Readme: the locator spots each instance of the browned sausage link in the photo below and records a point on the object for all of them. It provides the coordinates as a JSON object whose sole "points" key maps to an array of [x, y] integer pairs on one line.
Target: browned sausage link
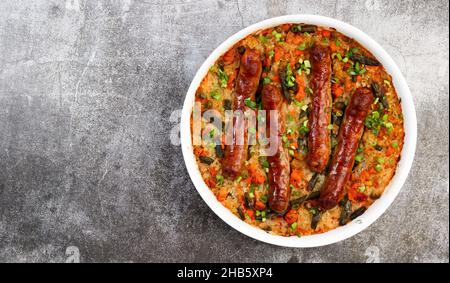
{"points": [[279, 168], [319, 142], [344, 155], [246, 86]]}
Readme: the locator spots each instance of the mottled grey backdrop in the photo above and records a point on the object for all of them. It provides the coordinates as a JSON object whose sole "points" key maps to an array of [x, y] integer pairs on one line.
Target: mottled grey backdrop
{"points": [[86, 164]]}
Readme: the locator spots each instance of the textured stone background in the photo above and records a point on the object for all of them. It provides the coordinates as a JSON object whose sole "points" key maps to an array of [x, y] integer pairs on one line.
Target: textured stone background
{"points": [[86, 91]]}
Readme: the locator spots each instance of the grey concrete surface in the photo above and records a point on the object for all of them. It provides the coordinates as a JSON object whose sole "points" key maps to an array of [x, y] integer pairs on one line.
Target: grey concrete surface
{"points": [[87, 169]]}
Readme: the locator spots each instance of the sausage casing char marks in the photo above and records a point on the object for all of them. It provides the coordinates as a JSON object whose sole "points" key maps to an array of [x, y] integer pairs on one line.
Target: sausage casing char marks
{"points": [[319, 141], [350, 134], [246, 86], [279, 167]]}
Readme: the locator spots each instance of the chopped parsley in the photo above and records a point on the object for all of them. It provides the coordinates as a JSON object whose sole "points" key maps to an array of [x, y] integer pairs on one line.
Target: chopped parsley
{"points": [[223, 78], [305, 66], [250, 103]]}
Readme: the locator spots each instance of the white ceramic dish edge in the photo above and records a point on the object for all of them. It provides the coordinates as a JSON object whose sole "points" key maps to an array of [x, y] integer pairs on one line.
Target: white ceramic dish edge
{"points": [[377, 208]]}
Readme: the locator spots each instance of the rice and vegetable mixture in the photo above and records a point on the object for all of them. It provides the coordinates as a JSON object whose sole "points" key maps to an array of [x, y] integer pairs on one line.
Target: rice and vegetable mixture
{"points": [[286, 52]]}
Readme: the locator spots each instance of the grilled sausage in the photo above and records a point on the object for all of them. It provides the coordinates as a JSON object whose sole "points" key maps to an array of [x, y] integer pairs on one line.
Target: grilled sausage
{"points": [[319, 142], [246, 86], [279, 168], [344, 155]]}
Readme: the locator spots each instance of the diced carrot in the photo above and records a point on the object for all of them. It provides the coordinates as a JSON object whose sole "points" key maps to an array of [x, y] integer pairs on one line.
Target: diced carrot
{"points": [[301, 90], [299, 53], [291, 216], [296, 177], [247, 180], [358, 78], [199, 151], [293, 38], [229, 57], [337, 90], [259, 205], [364, 176], [267, 31], [267, 62], [354, 195], [294, 145], [326, 33], [222, 195], [278, 54], [251, 213], [333, 46], [285, 27], [302, 231], [213, 171], [276, 78], [348, 84], [389, 151], [258, 178], [211, 182]]}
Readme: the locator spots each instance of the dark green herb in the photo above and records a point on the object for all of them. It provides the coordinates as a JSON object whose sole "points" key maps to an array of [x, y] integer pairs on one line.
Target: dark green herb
{"points": [[346, 205], [312, 182], [250, 103], [303, 28], [227, 105], [379, 93], [315, 218], [241, 213], [364, 60], [358, 212], [223, 78], [219, 151], [206, 160]]}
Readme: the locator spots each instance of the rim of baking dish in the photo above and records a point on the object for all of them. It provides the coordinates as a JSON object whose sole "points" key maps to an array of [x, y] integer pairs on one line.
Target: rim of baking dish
{"points": [[377, 208]]}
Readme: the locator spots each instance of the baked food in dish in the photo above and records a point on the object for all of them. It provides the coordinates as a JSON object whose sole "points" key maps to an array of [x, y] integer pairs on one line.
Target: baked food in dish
{"points": [[338, 138]]}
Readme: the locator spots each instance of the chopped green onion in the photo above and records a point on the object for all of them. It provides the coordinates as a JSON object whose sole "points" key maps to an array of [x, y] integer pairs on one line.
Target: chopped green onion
{"points": [[267, 80], [219, 180], [291, 152], [239, 179], [215, 95], [277, 35], [330, 127], [358, 158], [302, 46], [294, 225], [361, 189], [223, 78], [309, 90], [395, 144], [298, 103], [379, 168], [337, 42], [250, 103], [263, 39]]}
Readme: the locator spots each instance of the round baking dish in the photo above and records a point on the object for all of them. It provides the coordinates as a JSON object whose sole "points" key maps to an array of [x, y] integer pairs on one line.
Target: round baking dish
{"points": [[377, 208]]}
